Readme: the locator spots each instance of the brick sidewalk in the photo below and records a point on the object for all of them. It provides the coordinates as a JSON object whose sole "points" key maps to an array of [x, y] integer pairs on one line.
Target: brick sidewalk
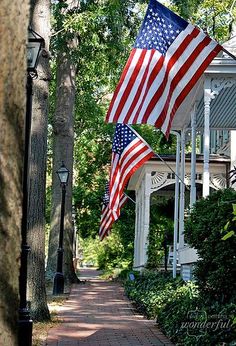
{"points": [[98, 314]]}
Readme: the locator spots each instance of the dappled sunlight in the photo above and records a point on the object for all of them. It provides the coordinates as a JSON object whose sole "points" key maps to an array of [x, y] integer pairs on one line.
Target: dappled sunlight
{"points": [[98, 313]]}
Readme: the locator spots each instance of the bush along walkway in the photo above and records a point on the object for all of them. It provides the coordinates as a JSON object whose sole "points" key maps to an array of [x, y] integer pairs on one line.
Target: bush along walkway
{"points": [[98, 314]]}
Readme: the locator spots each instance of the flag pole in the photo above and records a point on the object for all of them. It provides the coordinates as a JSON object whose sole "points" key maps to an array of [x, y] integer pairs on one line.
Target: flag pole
{"points": [[129, 198], [157, 155], [230, 54]]}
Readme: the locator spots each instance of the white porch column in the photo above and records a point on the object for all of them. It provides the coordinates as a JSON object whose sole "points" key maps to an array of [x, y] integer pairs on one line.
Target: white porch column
{"points": [[139, 228], [176, 210], [182, 192], [233, 149], [146, 220], [193, 158], [135, 262], [141, 222], [206, 173]]}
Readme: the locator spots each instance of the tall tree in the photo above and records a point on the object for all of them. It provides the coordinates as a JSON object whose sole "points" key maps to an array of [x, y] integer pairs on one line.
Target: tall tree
{"points": [[13, 38], [40, 21], [63, 143]]}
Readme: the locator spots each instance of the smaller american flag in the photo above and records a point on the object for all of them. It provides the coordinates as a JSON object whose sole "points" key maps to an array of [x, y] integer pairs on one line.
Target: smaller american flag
{"points": [[108, 216], [129, 152]]}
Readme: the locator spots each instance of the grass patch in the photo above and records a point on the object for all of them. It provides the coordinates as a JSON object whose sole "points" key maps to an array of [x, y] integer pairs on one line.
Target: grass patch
{"points": [[40, 329]]}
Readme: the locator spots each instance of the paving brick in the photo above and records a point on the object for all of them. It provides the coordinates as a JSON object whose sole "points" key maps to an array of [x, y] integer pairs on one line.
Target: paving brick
{"points": [[97, 313]]}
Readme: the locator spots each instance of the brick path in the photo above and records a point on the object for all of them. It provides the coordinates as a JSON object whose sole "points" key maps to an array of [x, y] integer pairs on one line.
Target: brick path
{"points": [[98, 314]]}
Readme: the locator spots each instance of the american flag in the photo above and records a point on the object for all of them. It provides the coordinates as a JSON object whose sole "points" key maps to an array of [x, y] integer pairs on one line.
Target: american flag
{"points": [[108, 216], [168, 58], [129, 152]]}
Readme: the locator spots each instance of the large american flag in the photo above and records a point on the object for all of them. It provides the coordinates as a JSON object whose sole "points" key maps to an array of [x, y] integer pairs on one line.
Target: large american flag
{"points": [[168, 58], [129, 152], [108, 216]]}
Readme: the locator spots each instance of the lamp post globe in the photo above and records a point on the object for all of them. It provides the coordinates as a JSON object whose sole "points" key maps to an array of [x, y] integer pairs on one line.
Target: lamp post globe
{"points": [[58, 283], [34, 46], [63, 174]]}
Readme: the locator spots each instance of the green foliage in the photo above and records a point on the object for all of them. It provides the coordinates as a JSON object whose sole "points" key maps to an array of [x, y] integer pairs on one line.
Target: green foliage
{"points": [[187, 7], [215, 271], [117, 250], [230, 226], [173, 302], [184, 298], [161, 232], [150, 292], [106, 255], [90, 248], [213, 16], [111, 253], [103, 33]]}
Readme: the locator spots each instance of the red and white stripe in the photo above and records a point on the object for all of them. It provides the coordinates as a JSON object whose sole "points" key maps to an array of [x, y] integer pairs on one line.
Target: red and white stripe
{"points": [[153, 86], [108, 218], [123, 166]]}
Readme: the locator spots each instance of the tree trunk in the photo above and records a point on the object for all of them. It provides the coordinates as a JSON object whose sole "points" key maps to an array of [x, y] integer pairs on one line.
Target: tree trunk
{"points": [[63, 144], [13, 38], [40, 21]]}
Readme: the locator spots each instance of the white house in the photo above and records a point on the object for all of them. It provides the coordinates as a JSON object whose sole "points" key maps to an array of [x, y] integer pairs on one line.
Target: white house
{"points": [[209, 115]]}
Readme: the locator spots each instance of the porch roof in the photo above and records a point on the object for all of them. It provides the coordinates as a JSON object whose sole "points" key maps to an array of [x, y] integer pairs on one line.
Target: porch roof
{"points": [[219, 164]]}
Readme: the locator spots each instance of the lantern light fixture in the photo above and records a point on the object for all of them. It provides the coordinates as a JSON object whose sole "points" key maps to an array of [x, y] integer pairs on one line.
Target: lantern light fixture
{"points": [[34, 46], [63, 174]]}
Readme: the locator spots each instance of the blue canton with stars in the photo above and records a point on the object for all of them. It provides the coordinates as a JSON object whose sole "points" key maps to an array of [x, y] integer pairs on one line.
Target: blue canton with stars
{"points": [[123, 136], [160, 28]]}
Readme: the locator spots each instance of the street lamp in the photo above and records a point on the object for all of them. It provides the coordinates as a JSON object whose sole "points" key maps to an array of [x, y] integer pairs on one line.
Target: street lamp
{"points": [[35, 43], [58, 283]]}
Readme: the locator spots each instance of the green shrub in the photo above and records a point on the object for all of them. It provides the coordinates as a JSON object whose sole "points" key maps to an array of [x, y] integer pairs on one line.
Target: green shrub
{"points": [[215, 272], [184, 298], [174, 303], [150, 291], [160, 233], [111, 253]]}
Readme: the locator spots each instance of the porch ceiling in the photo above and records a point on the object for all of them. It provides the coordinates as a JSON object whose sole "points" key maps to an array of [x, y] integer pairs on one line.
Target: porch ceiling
{"points": [[223, 110], [223, 106]]}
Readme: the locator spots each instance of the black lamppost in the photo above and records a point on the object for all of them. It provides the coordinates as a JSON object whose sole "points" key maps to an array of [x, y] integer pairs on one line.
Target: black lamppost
{"points": [[35, 43], [58, 284]]}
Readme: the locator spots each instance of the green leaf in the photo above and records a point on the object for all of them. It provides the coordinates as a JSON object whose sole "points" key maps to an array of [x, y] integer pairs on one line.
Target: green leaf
{"points": [[228, 235], [234, 209], [226, 225]]}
